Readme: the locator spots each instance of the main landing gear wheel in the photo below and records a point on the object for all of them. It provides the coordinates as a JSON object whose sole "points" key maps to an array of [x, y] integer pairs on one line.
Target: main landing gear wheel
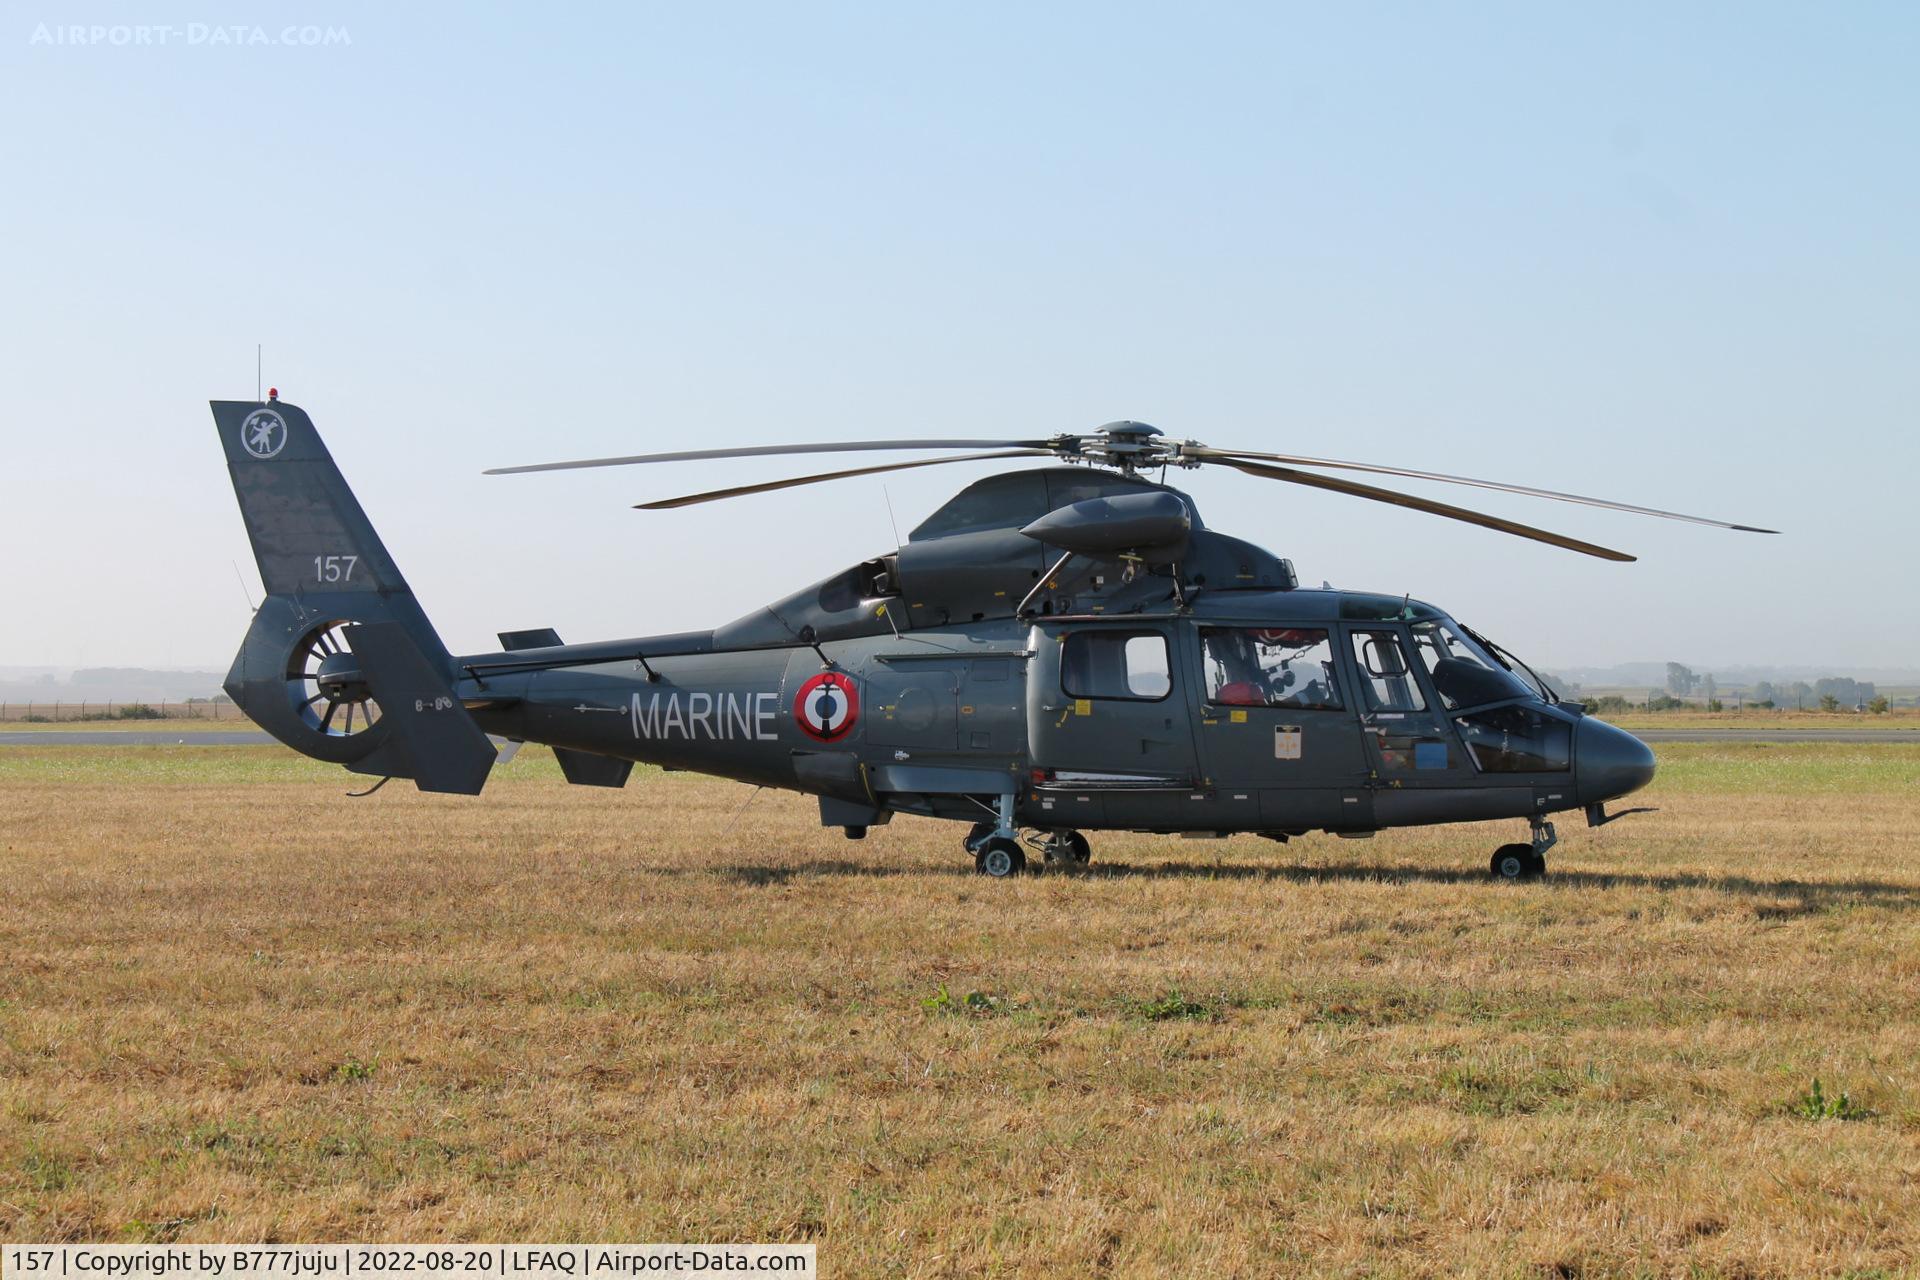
{"points": [[1517, 862], [1000, 857], [1068, 849]]}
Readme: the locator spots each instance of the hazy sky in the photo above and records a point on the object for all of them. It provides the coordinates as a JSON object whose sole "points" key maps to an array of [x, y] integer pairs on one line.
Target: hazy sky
{"points": [[1665, 254]]}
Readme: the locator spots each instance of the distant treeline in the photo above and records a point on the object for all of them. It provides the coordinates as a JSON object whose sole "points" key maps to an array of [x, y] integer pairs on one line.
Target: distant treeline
{"points": [[118, 684], [1826, 691], [1685, 687]]}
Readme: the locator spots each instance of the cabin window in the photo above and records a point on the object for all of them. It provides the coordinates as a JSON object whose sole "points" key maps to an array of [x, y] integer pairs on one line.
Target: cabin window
{"points": [[1462, 673], [1517, 740], [1115, 664], [1270, 667], [1386, 681]]}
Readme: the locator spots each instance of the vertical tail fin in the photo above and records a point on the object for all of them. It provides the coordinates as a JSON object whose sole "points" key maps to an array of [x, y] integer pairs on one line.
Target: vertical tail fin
{"points": [[340, 663], [309, 534]]}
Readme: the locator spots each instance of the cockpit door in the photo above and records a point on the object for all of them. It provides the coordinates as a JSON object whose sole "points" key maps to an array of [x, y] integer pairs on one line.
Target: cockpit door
{"points": [[1408, 741]]}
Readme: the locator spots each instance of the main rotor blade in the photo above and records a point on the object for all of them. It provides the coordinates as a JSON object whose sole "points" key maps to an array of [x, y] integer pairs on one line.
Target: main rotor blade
{"points": [[1556, 495], [1358, 490], [769, 450], [740, 491]]}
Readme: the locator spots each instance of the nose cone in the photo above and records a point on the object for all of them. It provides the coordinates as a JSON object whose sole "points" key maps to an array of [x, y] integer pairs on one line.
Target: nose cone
{"points": [[1608, 762]]}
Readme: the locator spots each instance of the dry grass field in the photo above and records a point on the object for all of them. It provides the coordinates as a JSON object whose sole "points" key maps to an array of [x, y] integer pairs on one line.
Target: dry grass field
{"points": [[237, 1005], [1897, 719], [185, 724]]}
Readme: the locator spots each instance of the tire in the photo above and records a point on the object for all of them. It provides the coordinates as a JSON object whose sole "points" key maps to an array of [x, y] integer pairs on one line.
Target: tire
{"points": [[1077, 846], [978, 832], [1067, 850], [1000, 858], [1516, 862]]}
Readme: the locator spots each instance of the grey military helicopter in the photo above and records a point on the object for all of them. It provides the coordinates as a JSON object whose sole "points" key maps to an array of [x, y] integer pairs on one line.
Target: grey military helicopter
{"points": [[1056, 650]]}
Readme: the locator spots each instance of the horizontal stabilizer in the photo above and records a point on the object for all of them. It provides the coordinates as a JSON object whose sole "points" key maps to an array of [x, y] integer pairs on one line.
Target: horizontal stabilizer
{"points": [[585, 769], [437, 743]]}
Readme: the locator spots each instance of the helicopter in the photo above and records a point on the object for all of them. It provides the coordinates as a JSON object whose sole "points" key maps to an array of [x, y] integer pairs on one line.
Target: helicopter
{"points": [[1056, 650]]}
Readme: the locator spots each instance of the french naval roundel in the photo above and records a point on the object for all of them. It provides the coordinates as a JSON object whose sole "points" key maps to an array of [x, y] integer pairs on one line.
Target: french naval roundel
{"points": [[827, 706]]}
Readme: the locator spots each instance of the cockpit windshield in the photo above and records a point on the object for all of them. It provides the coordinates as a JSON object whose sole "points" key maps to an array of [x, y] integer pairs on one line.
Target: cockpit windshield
{"points": [[1464, 672], [1521, 671]]}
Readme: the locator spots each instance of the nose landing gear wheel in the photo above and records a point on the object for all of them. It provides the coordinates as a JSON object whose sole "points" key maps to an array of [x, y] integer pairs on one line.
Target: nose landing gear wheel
{"points": [[1000, 858], [1517, 862]]}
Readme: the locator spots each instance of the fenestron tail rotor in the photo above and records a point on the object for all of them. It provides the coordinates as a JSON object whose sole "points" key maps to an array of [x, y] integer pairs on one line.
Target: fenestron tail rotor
{"points": [[1133, 447], [326, 686]]}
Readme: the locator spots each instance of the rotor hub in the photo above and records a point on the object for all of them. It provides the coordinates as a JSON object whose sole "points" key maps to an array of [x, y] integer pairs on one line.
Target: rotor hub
{"points": [[1127, 445], [326, 685], [339, 678]]}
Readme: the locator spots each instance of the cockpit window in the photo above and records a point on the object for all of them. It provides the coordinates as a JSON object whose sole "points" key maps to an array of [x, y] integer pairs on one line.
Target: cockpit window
{"points": [[1386, 682], [1270, 667], [1515, 667], [1357, 606], [1517, 739], [1464, 674]]}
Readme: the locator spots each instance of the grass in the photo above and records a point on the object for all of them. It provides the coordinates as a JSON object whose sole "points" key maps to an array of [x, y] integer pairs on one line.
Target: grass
{"points": [[238, 1005], [1173, 1007], [977, 1003], [1817, 1104]]}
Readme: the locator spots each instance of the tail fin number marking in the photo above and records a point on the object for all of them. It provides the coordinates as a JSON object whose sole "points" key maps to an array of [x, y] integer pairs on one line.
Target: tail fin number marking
{"points": [[334, 568]]}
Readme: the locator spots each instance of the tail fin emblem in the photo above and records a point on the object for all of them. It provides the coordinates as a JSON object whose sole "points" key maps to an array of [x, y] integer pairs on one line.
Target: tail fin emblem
{"points": [[264, 433]]}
